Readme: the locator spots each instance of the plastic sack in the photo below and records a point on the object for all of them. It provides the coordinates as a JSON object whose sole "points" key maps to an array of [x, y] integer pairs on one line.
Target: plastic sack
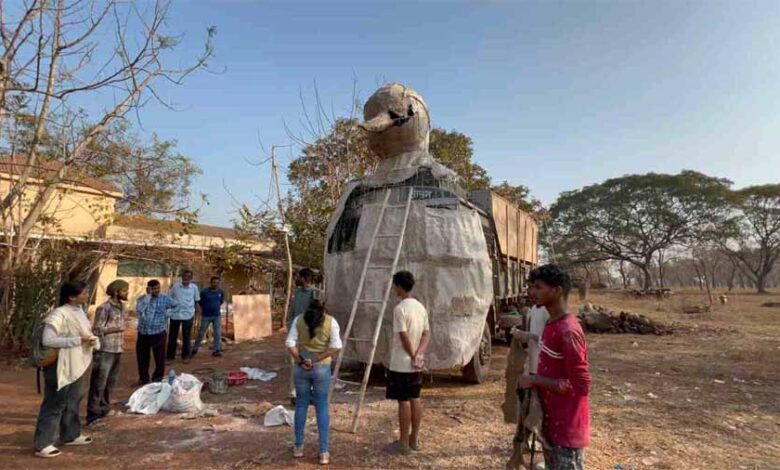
{"points": [[148, 399], [278, 416], [185, 395], [258, 374]]}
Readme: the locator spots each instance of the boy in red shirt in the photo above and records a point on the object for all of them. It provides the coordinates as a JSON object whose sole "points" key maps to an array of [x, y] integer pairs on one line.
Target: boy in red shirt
{"points": [[562, 378]]}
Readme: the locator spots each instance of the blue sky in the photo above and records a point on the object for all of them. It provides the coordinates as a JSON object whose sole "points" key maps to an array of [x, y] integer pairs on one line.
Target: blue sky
{"points": [[554, 96]]}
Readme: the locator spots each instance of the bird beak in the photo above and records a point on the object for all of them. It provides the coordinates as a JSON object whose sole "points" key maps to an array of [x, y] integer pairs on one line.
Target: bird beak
{"points": [[380, 123]]}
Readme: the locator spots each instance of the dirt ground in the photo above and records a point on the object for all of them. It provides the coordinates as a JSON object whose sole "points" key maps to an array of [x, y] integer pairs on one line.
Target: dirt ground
{"points": [[707, 397]]}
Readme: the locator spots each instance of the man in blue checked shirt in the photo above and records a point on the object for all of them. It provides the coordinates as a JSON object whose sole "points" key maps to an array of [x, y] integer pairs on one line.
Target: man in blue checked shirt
{"points": [[153, 311]]}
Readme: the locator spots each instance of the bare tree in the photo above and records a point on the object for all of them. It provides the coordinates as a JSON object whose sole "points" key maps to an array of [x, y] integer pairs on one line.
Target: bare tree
{"points": [[57, 56]]}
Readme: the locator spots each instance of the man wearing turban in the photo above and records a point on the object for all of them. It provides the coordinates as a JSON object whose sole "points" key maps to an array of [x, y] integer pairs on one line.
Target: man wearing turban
{"points": [[109, 326]]}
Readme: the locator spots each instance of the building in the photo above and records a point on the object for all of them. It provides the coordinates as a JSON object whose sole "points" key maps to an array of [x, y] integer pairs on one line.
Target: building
{"points": [[136, 248]]}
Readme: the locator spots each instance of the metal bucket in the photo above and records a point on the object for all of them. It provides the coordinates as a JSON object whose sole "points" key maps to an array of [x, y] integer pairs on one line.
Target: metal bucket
{"points": [[218, 384]]}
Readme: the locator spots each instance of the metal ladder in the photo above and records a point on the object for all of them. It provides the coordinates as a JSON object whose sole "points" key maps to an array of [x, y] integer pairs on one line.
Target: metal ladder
{"points": [[358, 300]]}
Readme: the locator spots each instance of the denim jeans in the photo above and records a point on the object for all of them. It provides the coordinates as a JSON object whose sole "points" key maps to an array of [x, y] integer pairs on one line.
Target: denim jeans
{"points": [[204, 326], [105, 371], [312, 385], [59, 410]]}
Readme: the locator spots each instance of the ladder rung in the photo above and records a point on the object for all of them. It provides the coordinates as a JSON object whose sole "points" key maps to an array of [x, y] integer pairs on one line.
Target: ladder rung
{"points": [[361, 340], [395, 206], [389, 235], [381, 266], [371, 301]]}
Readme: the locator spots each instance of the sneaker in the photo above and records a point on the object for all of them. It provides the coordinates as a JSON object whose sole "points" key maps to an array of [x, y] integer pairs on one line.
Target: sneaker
{"points": [[325, 458], [298, 452], [216, 354]]}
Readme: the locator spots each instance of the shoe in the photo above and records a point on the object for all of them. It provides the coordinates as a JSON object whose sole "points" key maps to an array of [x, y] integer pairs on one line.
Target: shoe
{"points": [[398, 448], [80, 441], [48, 452], [325, 458], [216, 354], [298, 452]]}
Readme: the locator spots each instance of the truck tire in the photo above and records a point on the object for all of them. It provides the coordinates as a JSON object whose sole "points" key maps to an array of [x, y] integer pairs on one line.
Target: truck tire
{"points": [[476, 371]]}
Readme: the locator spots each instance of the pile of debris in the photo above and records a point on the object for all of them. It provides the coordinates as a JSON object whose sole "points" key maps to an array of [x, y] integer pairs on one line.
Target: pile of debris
{"points": [[657, 293], [599, 319]]}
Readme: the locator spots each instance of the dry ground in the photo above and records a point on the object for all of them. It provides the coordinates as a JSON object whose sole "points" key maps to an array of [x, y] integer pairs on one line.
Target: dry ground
{"points": [[707, 397]]}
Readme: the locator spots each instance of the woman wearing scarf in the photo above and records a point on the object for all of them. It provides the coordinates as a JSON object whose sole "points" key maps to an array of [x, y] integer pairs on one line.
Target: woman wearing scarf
{"points": [[67, 329]]}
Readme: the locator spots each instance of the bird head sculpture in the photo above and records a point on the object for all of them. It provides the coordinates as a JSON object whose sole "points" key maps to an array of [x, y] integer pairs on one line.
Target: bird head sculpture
{"points": [[397, 121]]}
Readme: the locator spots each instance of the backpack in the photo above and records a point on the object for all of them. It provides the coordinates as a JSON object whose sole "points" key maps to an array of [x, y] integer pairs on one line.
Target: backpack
{"points": [[40, 355]]}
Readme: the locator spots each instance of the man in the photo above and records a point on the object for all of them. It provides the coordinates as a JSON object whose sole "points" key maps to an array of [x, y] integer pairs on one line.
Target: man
{"points": [[404, 373], [186, 295], [211, 300], [563, 379], [302, 297], [153, 312], [109, 326]]}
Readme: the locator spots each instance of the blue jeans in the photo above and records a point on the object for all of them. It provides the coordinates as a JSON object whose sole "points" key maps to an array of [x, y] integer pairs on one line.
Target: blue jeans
{"points": [[204, 326], [312, 385]]}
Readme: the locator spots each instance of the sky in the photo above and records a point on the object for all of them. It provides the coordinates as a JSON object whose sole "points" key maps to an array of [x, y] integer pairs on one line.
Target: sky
{"points": [[554, 96]]}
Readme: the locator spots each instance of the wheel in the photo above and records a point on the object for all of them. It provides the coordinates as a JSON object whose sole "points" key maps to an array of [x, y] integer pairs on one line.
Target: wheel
{"points": [[476, 371]]}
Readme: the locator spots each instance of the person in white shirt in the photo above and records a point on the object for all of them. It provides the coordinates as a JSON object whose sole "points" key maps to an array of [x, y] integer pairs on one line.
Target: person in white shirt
{"points": [[411, 335], [312, 340], [186, 295]]}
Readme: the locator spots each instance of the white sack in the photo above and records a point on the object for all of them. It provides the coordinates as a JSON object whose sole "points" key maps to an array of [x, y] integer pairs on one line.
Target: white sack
{"points": [[258, 374], [278, 416], [148, 399], [185, 395]]}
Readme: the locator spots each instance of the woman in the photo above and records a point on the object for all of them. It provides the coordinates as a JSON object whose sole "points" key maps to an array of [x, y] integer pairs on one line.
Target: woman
{"points": [[312, 341], [67, 329]]}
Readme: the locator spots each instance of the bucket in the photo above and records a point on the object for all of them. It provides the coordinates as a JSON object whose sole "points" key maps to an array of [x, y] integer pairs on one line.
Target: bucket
{"points": [[218, 383]]}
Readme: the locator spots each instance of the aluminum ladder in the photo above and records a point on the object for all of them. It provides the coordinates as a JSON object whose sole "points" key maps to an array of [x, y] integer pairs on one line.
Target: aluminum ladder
{"points": [[358, 300]]}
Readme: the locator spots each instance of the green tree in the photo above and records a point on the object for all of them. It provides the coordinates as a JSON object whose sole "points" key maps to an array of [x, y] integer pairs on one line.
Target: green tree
{"points": [[519, 195], [154, 177], [455, 151], [633, 217], [753, 243]]}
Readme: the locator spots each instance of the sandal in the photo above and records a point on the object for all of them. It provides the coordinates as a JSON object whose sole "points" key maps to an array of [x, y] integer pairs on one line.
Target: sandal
{"points": [[48, 452], [80, 441]]}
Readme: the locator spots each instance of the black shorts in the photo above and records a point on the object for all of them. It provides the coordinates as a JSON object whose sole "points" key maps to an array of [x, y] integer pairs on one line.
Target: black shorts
{"points": [[403, 386]]}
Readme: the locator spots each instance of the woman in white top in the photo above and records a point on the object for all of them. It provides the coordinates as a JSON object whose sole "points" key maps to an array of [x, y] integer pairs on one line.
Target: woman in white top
{"points": [[67, 329]]}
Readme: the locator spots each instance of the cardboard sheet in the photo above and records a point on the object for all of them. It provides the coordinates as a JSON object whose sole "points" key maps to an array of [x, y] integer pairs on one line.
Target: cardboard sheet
{"points": [[251, 316]]}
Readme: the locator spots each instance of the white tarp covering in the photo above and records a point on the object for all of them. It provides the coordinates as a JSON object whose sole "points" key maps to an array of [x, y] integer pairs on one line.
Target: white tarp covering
{"points": [[446, 251]]}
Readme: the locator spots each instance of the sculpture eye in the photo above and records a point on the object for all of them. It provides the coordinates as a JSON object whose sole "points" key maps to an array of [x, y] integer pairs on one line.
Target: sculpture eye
{"points": [[399, 120]]}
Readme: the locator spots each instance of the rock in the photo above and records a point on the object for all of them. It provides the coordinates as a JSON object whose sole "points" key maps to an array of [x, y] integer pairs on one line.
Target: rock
{"points": [[652, 395], [650, 461]]}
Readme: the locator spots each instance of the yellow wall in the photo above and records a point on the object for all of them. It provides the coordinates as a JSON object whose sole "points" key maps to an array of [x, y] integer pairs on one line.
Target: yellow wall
{"points": [[137, 235], [71, 211]]}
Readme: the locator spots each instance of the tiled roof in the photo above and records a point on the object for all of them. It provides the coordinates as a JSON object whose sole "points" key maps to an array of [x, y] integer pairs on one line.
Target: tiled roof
{"points": [[46, 170], [148, 223]]}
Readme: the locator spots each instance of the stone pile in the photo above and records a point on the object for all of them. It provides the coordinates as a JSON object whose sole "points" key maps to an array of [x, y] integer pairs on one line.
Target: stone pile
{"points": [[599, 319]]}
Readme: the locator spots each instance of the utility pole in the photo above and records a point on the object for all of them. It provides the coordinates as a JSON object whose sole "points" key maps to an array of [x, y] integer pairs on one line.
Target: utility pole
{"points": [[275, 177]]}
